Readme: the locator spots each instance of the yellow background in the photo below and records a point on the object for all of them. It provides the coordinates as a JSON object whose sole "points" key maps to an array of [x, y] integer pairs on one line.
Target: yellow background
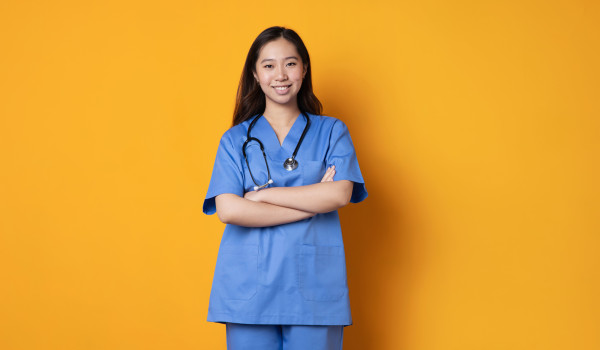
{"points": [[476, 125]]}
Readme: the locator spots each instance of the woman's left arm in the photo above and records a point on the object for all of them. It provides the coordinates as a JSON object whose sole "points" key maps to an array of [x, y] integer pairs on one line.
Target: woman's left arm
{"points": [[322, 197]]}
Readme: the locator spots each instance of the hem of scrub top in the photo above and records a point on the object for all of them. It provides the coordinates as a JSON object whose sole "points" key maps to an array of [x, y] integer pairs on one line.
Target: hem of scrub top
{"points": [[276, 319], [284, 324]]}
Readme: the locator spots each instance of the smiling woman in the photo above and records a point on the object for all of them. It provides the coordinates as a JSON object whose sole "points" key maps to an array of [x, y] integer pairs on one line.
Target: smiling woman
{"points": [[281, 172]]}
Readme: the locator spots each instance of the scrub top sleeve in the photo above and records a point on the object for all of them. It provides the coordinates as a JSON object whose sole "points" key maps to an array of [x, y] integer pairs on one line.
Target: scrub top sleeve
{"points": [[226, 175], [341, 153]]}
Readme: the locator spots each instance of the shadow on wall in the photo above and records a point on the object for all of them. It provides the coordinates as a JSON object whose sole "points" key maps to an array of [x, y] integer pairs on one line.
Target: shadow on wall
{"points": [[379, 233]]}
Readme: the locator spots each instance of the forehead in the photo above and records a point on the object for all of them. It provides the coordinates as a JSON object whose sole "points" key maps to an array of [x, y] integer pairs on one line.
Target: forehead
{"points": [[278, 49]]}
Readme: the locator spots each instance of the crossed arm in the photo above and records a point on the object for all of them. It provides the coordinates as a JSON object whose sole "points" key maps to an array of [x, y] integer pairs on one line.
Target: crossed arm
{"points": [[282, 205]]}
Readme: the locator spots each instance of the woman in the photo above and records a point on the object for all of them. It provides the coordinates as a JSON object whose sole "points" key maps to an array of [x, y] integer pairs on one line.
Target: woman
{"points": [[280, 278]]}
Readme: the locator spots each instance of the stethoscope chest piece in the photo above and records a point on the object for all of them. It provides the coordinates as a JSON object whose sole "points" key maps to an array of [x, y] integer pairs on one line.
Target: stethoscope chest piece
{"points": [[290, 164]]}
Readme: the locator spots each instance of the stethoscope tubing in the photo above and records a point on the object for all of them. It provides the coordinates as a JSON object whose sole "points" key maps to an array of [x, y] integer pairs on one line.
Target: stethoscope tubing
{"points": [[290, 163]]}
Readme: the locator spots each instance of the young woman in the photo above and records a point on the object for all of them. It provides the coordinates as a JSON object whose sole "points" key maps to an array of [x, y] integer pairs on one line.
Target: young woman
{"points": [[280, 174]]}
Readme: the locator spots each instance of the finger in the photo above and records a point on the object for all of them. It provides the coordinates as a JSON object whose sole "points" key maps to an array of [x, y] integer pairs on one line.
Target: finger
{"points": [[326, 176], [329, 175], [332, 175]]}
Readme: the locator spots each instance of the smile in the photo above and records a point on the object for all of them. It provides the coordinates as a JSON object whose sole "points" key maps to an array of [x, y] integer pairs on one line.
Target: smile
{"points": [[282, 90]]}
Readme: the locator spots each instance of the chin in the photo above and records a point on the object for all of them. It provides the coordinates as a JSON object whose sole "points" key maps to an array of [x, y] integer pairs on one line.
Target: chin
{"points": [[283, 101]]}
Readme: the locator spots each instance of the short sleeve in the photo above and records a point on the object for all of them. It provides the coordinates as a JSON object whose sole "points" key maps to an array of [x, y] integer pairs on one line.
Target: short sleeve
{"points": [[341, 153], [226, 175]]}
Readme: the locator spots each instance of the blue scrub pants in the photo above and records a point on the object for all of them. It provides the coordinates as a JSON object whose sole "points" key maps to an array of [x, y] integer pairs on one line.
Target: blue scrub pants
{"points": [[283, 337]]}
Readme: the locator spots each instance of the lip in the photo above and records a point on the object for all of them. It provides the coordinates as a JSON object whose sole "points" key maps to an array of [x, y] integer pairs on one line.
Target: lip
{"points": [[283, 91]]}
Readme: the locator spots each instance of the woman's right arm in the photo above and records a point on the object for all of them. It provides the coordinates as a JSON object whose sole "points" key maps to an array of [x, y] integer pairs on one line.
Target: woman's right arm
{"points": [[233, 209]]}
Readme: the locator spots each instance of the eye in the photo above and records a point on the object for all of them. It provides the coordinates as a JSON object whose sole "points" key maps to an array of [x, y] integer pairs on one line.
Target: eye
{"points": [[292, 63], [268, 66]]}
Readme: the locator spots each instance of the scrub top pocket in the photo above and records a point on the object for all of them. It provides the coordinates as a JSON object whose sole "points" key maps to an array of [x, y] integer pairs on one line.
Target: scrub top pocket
{"points": [[322, 272], [312, 171], [236, 273]]}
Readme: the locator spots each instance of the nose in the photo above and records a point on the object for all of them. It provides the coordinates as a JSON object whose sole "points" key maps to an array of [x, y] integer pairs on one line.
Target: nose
{"points": [[281, 74]]}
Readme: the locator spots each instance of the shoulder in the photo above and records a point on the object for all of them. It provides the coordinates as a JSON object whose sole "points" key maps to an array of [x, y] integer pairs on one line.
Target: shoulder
{"points": [[322, 119], [328, 124], [235, 135]]}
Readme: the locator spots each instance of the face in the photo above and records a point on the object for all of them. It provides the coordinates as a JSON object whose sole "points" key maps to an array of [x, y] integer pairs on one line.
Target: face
{"points": [[279, 71]]}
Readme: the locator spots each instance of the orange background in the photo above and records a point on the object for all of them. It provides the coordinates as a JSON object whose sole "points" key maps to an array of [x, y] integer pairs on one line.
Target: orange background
{"points": [[476, 126]]}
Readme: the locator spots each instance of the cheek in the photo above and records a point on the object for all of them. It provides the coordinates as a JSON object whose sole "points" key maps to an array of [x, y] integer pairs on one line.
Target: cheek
{"points": [[261, 81], [263, 77], [297, 72], [264, 81]]}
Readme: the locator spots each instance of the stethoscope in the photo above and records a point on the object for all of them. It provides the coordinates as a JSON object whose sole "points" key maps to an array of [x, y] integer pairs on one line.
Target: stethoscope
{"points": [[289, 164]]}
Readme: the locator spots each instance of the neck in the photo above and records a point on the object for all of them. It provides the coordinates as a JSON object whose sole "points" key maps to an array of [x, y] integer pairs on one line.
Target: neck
{"points": [[281, 115]]}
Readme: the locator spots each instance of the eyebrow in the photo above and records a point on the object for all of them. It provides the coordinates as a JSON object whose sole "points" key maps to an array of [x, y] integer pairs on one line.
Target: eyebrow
{"points": [[272, 59]]}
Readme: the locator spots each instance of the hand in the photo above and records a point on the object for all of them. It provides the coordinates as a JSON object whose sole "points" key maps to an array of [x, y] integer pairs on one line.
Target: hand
{"points": [[253, 196], [329, 174]]}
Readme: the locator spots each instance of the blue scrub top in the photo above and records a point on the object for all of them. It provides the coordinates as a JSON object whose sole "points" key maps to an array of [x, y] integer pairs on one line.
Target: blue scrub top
{"points": [[293, 273]]}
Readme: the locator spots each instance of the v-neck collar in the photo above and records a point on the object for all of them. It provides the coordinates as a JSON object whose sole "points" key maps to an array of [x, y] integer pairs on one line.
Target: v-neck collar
{"points": [[265, 132]]}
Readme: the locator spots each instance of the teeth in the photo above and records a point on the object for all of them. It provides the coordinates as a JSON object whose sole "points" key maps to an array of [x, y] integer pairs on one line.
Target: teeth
{"points": [[281, 87]]}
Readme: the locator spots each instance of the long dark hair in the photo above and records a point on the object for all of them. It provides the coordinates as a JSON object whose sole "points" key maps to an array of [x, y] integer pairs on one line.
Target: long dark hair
{"points": [[250, 99]]}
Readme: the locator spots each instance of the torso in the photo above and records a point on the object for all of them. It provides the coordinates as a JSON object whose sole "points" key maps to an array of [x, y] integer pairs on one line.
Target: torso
{"points": [[286, 274]]}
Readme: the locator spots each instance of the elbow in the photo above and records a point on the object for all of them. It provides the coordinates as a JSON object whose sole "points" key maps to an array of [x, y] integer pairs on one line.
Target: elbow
{"points": [[225, 205], [227, 215], [345, 194], [344, 200], [335, 204], [223, 216]]}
